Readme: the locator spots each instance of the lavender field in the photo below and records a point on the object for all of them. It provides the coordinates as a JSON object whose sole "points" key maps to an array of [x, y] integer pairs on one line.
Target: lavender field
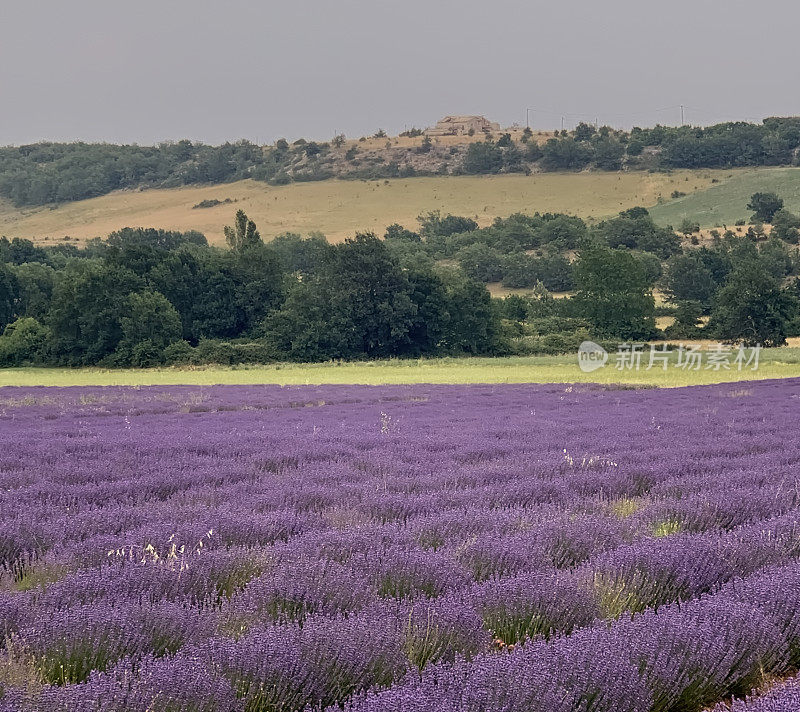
{"points": [[400, 549]]}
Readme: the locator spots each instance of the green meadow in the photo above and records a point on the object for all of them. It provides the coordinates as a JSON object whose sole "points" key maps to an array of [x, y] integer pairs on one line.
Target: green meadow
{"points": [[773, 363], [725, 202]]}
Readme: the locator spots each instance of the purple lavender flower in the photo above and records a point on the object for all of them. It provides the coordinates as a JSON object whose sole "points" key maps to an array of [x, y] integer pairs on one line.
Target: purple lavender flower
{"points": [[785, 697], [466, 549]]}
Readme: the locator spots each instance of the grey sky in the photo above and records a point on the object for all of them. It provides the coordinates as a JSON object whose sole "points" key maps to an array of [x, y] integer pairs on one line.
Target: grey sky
{"points": [[167, 69]]}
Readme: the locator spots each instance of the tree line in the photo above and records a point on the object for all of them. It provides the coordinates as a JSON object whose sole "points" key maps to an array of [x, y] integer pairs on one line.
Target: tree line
{"points": [[774, 142], [739, 286], [145, 297], [42, 173]]}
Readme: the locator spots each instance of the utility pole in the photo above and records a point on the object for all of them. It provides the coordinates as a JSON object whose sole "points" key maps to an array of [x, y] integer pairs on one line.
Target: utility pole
{"points": [[528, 117], [682, 123], [562, 123]]}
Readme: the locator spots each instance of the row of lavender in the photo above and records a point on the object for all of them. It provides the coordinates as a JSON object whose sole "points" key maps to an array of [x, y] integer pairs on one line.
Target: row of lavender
{"points": [[784, 698], [681, 657], [273, 549]]}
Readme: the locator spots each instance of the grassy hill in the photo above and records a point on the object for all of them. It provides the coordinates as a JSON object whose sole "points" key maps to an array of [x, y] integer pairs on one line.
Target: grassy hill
{"points": [[725, 203], [339, 208]]}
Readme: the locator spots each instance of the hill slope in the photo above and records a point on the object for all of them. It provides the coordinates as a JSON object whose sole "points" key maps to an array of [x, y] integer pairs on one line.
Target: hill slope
{"points": [[339, 208], [726, 202]]}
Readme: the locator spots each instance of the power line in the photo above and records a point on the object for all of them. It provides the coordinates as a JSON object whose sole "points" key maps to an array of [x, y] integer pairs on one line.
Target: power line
{"points": [[573, 114], [681, 110]]}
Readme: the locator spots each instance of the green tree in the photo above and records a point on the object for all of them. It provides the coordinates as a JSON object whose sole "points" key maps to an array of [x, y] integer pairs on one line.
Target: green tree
{"points": [[533, 152], [426, 330], [777, 258], [686, 324], [243, 235], [562, 232], [566, 154], [688, 226], [472, 326], [752, 308], [514, 307], [652, 266], [149, 325], [718, 261], [19, 251], [608, 154], [433, 223], [555, 272], [687, 278], [373, 295], [398, 232], [23, 341], [481, 262], [258, 276], [635, 229], [764, 206], [215, 312], [518, 271], [786, 226], [34, 289], [614, 294], [179, 278], [89, 300], [141, 249], [635, 148], [300, 254], [201, 287], [8, 295], [483, 157], [584, 131], [357, 304]]}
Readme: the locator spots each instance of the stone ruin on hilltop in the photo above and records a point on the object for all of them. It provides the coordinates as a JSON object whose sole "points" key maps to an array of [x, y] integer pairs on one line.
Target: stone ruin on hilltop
{"points": [[462, 125]]}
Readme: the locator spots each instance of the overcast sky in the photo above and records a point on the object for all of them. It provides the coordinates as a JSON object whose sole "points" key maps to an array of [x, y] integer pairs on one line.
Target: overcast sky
{"points": [[144, 71]]}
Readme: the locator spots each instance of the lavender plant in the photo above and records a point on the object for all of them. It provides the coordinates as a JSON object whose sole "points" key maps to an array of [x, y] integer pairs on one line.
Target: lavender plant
{"points": [[447, 548]]}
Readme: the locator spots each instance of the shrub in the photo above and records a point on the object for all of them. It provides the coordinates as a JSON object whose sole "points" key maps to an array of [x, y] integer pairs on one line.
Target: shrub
{"points": [[24, 341], [482, 157], [765, 205], [688, 226], [229, 353]]}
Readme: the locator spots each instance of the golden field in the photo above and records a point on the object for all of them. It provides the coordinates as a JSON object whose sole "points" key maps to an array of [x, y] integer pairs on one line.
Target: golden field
{"points": [[339, 208]]}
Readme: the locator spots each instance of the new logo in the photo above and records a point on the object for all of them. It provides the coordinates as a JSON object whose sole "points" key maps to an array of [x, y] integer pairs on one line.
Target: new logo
{"points": [[591, 356]]}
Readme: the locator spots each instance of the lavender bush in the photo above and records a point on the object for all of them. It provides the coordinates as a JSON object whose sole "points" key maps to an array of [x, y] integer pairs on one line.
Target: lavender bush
{"points": [[446, 548]]}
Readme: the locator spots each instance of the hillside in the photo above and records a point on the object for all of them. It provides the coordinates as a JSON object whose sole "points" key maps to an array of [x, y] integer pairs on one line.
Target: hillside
{"points": [[56, 173], [339, 208], [725, 203]]}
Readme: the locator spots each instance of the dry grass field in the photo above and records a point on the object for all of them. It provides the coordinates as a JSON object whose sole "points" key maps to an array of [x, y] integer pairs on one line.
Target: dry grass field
{"points": [[339, 208]]}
